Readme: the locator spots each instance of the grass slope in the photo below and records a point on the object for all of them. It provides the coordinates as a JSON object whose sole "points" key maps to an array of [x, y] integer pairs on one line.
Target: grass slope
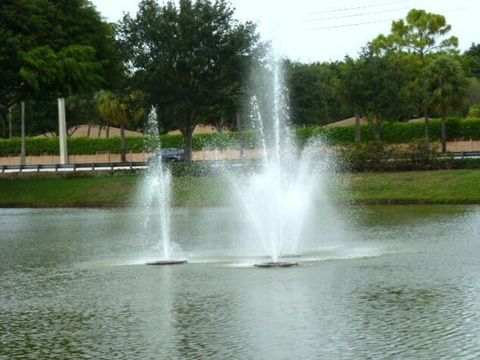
{"points": [[429, 187]]}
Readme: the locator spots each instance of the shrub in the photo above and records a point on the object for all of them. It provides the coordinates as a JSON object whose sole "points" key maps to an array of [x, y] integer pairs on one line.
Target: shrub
{"points": [[421, 155], [393, 133], [474, 111], [366, 157], [377, 156]]}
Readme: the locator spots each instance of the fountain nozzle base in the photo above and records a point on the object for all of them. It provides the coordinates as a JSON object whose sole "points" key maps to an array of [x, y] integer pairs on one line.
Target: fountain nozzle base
{"points": [[276, 264], [167, 262]]}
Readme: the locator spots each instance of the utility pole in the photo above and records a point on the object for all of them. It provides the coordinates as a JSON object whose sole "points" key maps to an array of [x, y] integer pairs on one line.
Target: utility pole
{"points": [[23, 160], [62, 131]]}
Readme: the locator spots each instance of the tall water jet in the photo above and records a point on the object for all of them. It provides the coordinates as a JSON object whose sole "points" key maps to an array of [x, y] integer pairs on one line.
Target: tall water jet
{"points": [[277, 198], [157, 195]]}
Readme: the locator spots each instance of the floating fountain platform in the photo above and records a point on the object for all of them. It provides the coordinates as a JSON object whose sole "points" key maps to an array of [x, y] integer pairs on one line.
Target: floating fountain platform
{"points": [[277, 264], [167, 262]]}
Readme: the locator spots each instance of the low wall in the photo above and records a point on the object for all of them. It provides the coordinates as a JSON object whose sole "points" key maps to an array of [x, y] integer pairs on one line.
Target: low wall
{"points": [[131, 157], [74, 159], [453, 146]]}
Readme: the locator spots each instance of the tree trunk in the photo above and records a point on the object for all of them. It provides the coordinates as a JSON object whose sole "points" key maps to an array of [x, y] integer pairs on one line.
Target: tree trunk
{"points": [[358, 130], [219, 123], [444, 133], [427, 129], [108, 131], [240, 134], [187, 132], [377, 128], [187, 145], [4, 118], [10, 120], [99, 131], [88, 129], [123, 147]]}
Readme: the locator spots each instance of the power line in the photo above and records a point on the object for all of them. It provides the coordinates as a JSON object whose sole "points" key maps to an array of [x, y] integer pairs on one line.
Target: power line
{"points": [[378, 21], [350, 25], [360, 7], [358, 15]]}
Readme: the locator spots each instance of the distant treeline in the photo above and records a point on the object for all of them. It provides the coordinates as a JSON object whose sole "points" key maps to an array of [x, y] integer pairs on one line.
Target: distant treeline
{"points": [[180, 64]]}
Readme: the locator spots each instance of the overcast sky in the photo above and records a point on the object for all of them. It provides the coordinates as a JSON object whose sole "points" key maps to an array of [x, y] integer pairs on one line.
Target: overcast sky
{"points": [[316, 30]]}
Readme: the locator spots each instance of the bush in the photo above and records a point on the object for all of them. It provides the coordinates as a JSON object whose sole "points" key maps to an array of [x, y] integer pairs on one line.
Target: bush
{"points": [[393, 133], [377, 156], [474, 111], [366, 157], [421, 155]]}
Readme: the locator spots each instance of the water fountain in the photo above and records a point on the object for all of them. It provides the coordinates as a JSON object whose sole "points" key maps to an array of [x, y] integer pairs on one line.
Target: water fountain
{"points": [[276, 199], [157, 195]]}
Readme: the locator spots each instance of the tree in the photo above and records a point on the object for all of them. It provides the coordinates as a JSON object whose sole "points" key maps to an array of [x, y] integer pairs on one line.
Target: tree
{"points": [[52, 47], [375, 85], [121, 109], [82, 110], [188, 58], [447, 85], [471, 61], [352, 90], [474, 111], [421, 34], [313, 93], [72, 70]]}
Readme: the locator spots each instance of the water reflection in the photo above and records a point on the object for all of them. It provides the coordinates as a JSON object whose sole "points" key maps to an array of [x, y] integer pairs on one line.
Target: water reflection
{"points": [[415, 323], [64, 296]]}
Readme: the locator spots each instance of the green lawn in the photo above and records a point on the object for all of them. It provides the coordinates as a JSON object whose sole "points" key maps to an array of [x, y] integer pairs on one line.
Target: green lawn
{"points": [[430, 187]]}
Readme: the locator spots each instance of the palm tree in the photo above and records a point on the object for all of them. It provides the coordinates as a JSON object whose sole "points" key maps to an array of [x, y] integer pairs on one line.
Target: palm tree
{"points": [[120, 110], [446, 84]]}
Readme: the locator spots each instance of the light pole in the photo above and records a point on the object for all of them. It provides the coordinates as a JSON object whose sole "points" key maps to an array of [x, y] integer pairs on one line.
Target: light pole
{"points": [[62, 131], [23, 160]]}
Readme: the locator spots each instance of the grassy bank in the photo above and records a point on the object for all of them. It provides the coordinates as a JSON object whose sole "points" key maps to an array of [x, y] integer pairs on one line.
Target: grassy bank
{"points": [[428, 187], [422, 187]]}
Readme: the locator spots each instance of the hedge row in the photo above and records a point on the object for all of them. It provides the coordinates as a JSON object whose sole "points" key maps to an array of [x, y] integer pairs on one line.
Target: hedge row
{"points": [[396, 133], [392, 133], [89, 146]]}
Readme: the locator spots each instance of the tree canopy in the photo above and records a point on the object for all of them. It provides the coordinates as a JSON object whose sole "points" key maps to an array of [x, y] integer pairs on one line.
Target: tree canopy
{"points": [[314, 93], [52, 47], [193, 61], [447, 86], [188, 58], [421, 33], [472, 61]]}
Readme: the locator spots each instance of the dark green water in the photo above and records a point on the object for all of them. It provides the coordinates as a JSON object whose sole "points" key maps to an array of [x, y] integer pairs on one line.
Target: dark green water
{"points": [[397, 282]]}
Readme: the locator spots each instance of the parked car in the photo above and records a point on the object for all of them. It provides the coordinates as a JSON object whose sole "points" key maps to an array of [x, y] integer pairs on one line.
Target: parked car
{"points": [[168, 155]]}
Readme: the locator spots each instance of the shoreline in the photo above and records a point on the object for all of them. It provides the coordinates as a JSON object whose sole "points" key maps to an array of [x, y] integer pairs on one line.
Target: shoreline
{"points": [[106, 205]]}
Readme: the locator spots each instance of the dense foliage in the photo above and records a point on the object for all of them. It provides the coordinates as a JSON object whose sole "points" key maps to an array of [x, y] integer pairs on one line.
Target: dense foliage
{"points": [[393, 133], [194, 62], [189, 58], [52, 49]]}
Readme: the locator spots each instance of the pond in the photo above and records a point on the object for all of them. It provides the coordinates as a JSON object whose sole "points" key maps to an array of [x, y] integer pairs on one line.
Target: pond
{"points": [[386, 282]]}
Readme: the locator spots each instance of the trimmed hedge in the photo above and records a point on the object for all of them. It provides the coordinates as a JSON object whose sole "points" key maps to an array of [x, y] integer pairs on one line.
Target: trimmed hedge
{"points": [[396, 133], [393, 133]]}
